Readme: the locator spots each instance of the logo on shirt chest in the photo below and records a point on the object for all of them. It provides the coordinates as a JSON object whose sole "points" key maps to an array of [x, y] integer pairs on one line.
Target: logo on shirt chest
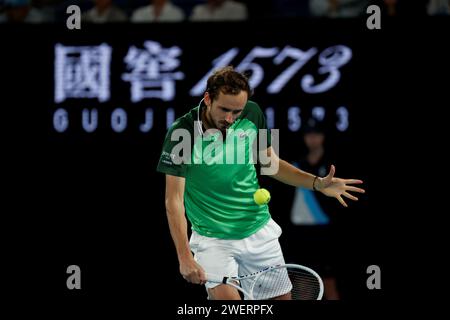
{"points": [[242, 135]]}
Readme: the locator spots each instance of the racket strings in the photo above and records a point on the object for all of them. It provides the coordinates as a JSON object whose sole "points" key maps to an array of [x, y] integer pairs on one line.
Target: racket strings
{"points": [[302, 284], [305, 285]]}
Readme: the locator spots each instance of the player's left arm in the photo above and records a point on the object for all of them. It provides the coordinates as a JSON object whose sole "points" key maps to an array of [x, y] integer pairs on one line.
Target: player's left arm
{"points": [[330, 186], [289, 174]]}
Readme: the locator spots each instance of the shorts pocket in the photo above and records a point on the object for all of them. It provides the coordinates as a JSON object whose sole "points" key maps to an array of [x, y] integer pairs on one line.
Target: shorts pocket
{"points": [[276, 228], [194, 242]]}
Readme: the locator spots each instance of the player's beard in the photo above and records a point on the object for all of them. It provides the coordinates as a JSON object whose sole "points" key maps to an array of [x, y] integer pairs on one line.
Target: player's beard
{"points": [[222, 125]]}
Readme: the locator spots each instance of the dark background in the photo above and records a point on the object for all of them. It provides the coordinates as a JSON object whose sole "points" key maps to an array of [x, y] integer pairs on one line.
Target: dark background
{"points": [[95, 199]]}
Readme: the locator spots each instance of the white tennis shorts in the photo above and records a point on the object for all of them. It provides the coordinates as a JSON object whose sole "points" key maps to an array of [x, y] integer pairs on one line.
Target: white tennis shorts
{"points": [[238, 257]]}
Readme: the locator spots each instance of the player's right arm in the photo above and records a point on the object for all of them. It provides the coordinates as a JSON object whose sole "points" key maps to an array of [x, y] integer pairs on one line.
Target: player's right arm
{"points": [[189, 268]]}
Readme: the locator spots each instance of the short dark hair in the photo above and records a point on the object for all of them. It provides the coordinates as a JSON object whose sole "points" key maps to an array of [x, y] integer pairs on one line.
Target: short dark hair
{"points": [[228, 81]]}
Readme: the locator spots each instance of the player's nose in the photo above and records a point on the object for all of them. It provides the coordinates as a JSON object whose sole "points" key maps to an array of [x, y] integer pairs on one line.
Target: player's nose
{"points": [[229, 118]]}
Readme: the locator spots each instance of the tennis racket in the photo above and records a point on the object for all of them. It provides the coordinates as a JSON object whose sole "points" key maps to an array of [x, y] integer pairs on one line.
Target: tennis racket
{"points": [[302, 282]]}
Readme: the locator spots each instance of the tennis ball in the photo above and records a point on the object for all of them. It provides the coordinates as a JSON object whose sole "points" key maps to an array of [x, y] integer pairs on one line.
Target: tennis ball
{"points": [[261, 196]]}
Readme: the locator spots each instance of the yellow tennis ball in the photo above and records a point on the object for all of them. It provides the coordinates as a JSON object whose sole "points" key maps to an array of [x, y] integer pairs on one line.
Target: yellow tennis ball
{"points": [[261, 196]]}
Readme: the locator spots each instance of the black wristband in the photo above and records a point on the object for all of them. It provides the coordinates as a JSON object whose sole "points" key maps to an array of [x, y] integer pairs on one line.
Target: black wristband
{"points": [[314, 183]]}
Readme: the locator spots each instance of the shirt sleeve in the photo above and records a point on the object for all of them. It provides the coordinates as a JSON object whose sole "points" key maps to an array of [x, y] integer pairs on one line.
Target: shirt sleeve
{"points": [[262, 124], [171, 162]]}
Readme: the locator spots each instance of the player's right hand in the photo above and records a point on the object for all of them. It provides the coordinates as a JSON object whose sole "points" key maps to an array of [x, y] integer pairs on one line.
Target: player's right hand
{"points": [[192, 272]]}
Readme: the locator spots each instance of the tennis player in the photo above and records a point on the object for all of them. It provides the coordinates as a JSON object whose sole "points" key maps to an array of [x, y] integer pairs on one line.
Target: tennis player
{"points": [[207, 182]]}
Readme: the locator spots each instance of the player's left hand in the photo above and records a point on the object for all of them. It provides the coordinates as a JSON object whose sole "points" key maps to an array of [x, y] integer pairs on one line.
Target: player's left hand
{"points": [[337, 187]]}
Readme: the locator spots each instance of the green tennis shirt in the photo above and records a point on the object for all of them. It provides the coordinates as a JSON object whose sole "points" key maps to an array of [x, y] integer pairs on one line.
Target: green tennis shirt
{"points": [[220, 172]]}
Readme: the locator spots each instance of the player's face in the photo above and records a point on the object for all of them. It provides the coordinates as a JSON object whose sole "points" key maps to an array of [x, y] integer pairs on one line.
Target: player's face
{"points": [[225, 109]]}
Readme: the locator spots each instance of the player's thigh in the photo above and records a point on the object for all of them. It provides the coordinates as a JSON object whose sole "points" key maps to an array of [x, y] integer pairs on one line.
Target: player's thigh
{"points": [[262, 250], [223, 292], [214, 257]]}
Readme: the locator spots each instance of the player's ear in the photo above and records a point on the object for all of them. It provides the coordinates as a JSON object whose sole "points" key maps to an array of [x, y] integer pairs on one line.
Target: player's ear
{"points": [[207, 99]]}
